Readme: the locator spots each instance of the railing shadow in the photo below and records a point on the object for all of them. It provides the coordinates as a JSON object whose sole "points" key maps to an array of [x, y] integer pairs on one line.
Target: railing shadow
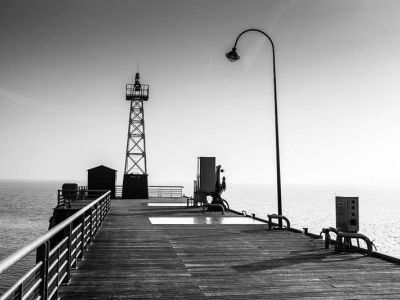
{"points": [[270, 264]]}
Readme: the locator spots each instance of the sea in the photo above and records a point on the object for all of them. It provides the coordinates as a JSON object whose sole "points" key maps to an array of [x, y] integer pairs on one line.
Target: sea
{"points": [[26, 206]]}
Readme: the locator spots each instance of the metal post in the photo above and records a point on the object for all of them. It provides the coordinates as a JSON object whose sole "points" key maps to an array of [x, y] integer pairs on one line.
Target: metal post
{"points": [[96, 223], [75, 258], [42, 255], [58, 271], [82, 236], [68, 232], [20, 291], [278, 163], [101, 211], [278, 167], [327, 239], [91, 225]]}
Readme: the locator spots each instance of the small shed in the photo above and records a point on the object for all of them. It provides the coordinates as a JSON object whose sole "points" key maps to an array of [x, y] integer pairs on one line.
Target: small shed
{"points": [[102, 178]]}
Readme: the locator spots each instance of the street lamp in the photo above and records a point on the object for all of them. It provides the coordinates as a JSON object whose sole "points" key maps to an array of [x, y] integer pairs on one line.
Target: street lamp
{"points": [[233, 56]]}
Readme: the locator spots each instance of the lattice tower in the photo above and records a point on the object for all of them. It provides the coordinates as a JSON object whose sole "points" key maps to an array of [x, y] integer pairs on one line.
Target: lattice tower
{"points": [[135, 162]]}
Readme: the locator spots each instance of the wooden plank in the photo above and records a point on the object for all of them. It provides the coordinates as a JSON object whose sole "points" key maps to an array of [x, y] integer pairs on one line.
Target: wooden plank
{"points": [[132, 258]]}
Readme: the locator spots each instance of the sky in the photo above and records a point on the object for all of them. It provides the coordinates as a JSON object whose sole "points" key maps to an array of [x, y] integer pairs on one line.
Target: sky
{"points": [[64, 66]]}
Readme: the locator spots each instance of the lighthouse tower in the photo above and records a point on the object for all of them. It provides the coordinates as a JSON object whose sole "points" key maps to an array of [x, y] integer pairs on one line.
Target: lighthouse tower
{"points": [[135, 184]]}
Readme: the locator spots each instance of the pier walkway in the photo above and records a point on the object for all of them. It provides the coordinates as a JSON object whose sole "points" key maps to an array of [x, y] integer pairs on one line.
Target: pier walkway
{"points": [[133, 258]]}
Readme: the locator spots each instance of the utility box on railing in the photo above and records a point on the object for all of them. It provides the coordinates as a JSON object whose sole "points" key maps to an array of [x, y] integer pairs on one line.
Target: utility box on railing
{"points": [[347, 219], [206, 176]]}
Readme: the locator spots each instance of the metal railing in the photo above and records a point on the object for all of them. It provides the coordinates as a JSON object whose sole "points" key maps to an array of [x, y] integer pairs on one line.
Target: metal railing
{"points": [[66, 197], [57, 253], [160, 191], [171, 191], [133, 93], [343, 239], [118, 191], [279, 217]]}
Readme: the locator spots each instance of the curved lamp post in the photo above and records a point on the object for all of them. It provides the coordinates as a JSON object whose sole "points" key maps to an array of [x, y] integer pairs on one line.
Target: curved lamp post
{"points": [[233, 56]]}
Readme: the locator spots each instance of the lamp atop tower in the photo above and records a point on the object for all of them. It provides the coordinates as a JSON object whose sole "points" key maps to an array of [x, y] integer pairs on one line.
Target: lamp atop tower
{"points": [[137, 84], [137, 91]]}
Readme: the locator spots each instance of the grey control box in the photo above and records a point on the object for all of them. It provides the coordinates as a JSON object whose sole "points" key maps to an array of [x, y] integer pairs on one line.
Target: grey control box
{"points": [[347, 219], [206, 176]]}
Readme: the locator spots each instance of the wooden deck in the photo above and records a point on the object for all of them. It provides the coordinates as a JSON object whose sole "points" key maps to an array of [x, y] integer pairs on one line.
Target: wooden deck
{"points": [[133, 258]]}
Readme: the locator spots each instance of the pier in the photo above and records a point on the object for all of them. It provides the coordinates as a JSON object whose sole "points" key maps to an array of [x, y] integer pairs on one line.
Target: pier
{"points": [[160, 248], [286, 111]]}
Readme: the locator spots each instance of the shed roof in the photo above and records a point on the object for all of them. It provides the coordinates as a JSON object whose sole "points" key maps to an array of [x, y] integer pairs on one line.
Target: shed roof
{"points": [[102, 167]]}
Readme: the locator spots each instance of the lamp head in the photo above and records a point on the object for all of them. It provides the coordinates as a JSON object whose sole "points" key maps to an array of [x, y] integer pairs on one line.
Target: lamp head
{"points": [[232, 55], [137, 85]]}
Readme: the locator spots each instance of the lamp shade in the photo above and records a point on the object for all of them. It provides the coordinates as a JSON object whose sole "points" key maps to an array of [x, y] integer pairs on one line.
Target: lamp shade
{"points": [[232, 55]]}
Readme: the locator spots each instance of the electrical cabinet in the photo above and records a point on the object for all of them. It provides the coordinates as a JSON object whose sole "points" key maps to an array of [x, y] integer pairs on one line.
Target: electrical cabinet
{"points": [[347, 219], [206, 176]]}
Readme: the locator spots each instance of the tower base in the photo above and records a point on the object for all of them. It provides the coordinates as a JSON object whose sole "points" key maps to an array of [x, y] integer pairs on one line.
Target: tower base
{"points": [[135, 186]]}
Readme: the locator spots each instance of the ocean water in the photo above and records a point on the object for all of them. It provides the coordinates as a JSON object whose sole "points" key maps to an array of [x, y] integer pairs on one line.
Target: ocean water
{"points": [[26, 206], [313, 207], [25, 209]]}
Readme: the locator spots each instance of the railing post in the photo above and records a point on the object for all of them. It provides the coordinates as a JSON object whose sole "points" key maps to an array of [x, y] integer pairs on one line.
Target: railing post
{"points": [[20, 292], [96, 223], [82, 236], [58, 271], [42, 255], [105, 202], [327, 239], [91, 225], [74, 236], [101, 211], [60, 198], [68, 232]]}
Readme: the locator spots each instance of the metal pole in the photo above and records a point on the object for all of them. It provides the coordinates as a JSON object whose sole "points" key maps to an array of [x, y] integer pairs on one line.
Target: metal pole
{"points": [[278, 165]]}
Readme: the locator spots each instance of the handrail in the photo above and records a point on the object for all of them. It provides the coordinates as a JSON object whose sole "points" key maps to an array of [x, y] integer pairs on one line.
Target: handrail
{"points": [[173, 191], [350, 235], [327, 235], [160, 191], [226, 203], [279, 217], [208, 205], [82, 193], [21, 253], [346, 235], [167, 186]]}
